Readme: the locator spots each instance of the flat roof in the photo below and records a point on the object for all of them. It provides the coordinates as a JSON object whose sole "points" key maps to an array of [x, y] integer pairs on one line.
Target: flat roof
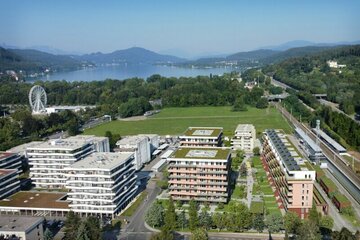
{"points": [[203, 132], [244, 128], [201, 153], [285, 155], [331, 141], [36, 200], [4, 155], [307, 139], [22, 148], [131, 140], [4, 172], [101, 160], [70, 143], [18, 223]]}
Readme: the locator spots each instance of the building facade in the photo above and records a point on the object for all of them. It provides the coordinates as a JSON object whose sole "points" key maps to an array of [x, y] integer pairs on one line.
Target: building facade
{"points": [[201, 174], [202, 137], [101, 183], [10, 160], [244, 139], [139, 145], [9, 182], [48, 159], [293, 181]]}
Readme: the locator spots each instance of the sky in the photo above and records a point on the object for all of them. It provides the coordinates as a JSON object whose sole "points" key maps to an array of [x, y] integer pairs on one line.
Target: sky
{"points": [[185, 27]]}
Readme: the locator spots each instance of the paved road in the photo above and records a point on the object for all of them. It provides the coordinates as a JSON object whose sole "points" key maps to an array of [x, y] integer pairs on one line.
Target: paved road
{"points": [[335, 107]]}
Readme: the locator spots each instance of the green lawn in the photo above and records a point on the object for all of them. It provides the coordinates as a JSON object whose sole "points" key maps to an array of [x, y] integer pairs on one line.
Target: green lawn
{"points": [[131, 210], [177, 120], [239, 192], [257, 207]]}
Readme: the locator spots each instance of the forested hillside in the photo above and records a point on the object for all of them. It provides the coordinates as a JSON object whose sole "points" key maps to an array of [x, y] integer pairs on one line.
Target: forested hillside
{"points": [[313, 75]]}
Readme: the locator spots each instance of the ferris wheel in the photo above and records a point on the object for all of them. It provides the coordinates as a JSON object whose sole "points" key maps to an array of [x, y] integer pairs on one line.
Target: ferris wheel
{"points": [[37, 99]]}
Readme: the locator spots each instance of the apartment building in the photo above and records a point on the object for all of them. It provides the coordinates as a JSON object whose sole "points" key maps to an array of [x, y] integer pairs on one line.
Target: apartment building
{"points": [[244, 139], [202, 137], [139, 145], [201, 174], [48, 159], [10, 160], [293, 181], [101, 183], [9, 182], [22, 228]]}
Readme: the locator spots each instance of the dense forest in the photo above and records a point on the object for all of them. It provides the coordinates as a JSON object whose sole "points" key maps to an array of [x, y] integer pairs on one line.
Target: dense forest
{"points": [[312, 74]]}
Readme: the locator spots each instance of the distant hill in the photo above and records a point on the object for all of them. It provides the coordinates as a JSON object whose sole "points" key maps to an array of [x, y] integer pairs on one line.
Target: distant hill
{"points": [[35, 61], [252, 55], [133, 55]]}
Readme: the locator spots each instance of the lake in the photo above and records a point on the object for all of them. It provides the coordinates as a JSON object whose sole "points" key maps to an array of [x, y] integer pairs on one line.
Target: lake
{"points": [[122, 72]]}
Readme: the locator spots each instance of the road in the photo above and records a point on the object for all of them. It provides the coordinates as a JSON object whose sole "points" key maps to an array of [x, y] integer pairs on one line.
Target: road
{"points": [[335, 107], [280, 84], [332, 156]]}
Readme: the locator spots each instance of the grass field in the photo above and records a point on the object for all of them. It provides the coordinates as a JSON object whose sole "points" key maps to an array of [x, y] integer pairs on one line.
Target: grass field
{"points": [[173, 121]]}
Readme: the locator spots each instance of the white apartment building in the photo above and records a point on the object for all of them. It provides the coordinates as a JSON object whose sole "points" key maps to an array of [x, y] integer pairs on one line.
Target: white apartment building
{"points": [[9, 182], [10, 160], [48, 159], [202, 137], [139, 145], [23, 228], [101, 183], [154, 141], [244, 139]]}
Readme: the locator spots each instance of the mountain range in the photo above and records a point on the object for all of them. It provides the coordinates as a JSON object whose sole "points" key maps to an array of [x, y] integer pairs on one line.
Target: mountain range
{"points": [[34, 60]]}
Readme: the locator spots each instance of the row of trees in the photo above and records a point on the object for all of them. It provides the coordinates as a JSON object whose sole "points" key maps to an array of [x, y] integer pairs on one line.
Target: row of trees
{"points": [[78, 229], [22, 126]]}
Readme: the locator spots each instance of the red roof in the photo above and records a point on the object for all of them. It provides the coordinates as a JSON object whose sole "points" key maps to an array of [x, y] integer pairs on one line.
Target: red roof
{"points": [[6, 154]]}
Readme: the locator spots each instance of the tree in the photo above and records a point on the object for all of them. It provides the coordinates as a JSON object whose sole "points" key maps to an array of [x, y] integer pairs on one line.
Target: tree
{"points": [[256, 151], [239, 105], [262, 103], [274, 222], [199, 234], [243, 170], [72, 127], [93, 226], [327, 222], [292, 222], [205, 220], [314, 216], [155, 215], [165, 234], [344, 234], [193, 215], [82, 232], [181, 220], [258, 222], [309, 231], [71, 225], [48, 234], [219, 220], [170, 216]]}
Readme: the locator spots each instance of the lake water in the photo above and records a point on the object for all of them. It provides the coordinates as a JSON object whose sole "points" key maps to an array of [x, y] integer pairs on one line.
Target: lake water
{"points": [[122, 72]]}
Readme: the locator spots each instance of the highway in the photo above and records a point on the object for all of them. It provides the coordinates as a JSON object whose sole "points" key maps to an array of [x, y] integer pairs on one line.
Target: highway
{"points": [[332, 156]]}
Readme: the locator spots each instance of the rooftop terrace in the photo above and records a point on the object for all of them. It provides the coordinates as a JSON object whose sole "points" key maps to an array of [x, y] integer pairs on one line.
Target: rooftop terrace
{"points": [[4, 155], [36, 200], [101, 160], [201, 153], [203, 132], [4, 172]]}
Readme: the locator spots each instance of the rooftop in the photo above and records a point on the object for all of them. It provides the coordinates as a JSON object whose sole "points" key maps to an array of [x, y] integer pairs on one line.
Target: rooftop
{"points": [[101, 160], [36, 200], [70, 143], [307, 139], [245, 128], [4, 155], [4, 172], [285, 155], [22, 148], [131, 140], [331, 141], [201, 153], [203, 132], [17, 223]]}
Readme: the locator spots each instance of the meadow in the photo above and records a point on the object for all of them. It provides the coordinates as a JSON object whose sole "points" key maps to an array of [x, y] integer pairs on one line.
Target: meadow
{"points": [[174, 121]]}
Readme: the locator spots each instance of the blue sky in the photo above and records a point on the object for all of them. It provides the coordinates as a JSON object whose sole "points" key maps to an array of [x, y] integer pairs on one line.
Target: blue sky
{"points": [[195, 27]]}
